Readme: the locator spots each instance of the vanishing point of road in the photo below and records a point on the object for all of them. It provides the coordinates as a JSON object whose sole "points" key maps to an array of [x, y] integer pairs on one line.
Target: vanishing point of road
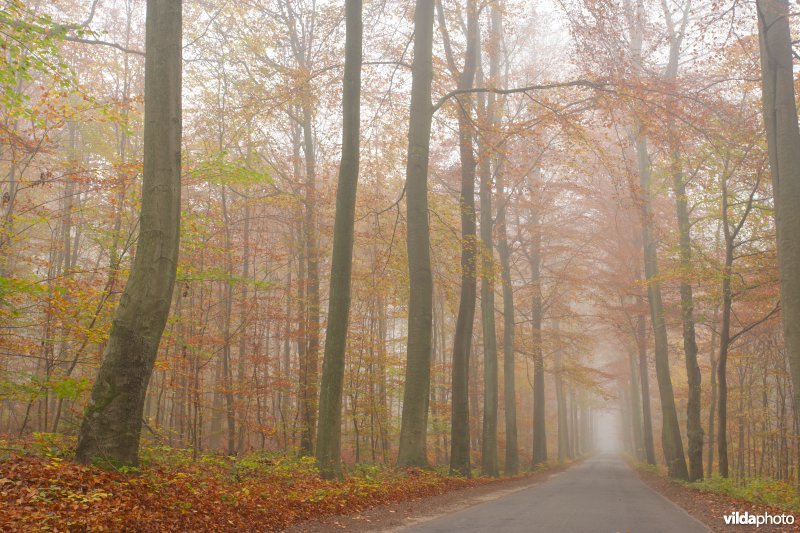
{"points": [[601, 494]]}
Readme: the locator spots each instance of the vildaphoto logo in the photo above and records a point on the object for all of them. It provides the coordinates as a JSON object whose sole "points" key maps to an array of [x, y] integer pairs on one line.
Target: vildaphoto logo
{"points": [[766, 519]]}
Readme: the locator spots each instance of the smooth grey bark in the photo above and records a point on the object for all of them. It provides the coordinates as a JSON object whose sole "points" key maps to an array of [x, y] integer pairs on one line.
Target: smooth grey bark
{"points": [[462, 340], [489, 461], [724, 343], [637, 436], [509, 320], [113, 421], [713, 405], [783, 142], [564, 447], [414, 421], [539, 423], [644, 380], [670, 430], [730, 231], [243, 327], [227, 362], [309, 364], [694, 427], [301, 38], [329, 430]]}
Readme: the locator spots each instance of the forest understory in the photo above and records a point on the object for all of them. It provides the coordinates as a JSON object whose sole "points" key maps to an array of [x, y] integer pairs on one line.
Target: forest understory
{"points": [[43, 489]]}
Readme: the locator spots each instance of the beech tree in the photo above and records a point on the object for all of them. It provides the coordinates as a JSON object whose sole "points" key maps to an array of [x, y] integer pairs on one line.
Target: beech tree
{"points": [[113, 421], [783, 140], [462, 340], [330, 404], [413, 430]]}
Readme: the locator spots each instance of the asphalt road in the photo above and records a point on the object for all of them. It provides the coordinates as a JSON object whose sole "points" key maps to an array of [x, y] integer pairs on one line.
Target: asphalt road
{"points": [[602, 494]]}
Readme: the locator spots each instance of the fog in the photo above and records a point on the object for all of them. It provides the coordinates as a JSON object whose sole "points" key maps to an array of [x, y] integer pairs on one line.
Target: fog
{"points": [[608, 431]]}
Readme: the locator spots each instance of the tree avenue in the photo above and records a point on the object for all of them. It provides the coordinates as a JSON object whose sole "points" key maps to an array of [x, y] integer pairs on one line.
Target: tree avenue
{"points": [[360, 239]]}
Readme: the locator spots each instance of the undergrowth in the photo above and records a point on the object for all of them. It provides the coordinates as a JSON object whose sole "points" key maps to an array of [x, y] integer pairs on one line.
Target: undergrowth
{"points": [[780, 494], [41, 488]]}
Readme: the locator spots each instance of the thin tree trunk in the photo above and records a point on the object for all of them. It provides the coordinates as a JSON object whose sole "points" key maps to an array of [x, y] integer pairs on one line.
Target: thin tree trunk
{"points": [[724, 339], [489, 459], [713, 405], [644, 380], [227, 363], [539, 429], [564, 451]]}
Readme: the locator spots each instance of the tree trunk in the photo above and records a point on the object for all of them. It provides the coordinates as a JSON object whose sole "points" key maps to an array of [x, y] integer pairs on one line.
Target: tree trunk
{"points": [[489, 462], [310, 360], [329, 431], [462, 341], [413, 427], [539, 435], [670, 429], [636, 408], [564, 451], [644, 379], [694, 427], [227, 363], [713, 405], [783, 141], [509, 367], [724, 340], [112, 425]]}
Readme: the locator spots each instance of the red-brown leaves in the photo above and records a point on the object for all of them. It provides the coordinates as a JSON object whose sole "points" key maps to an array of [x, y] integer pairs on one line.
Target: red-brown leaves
{"points": [[50, 492]]}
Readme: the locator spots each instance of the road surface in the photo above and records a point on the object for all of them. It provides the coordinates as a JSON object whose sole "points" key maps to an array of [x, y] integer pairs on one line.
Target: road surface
{"points": [[602, 494]]}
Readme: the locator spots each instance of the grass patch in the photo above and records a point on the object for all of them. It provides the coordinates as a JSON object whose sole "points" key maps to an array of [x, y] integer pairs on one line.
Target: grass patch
{"points": [[757, 490]]}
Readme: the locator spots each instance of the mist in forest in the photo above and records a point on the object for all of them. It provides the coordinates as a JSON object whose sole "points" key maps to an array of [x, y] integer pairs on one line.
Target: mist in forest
{"points": [[483, 237]]}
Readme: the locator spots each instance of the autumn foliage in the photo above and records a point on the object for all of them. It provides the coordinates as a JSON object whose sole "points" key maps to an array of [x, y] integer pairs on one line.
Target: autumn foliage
{"points": [[263, 491]]}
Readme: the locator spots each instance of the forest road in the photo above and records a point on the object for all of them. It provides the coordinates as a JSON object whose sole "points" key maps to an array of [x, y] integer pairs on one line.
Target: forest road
{"points": [[601, 494]]}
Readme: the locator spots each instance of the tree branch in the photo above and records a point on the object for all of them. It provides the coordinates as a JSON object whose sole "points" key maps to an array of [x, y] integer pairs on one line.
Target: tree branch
{"points": [[104, 43], [601, 86]]}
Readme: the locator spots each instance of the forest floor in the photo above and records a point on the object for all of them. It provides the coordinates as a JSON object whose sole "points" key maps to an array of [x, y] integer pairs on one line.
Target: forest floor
{"points": [[42, 489], [705, 501]]}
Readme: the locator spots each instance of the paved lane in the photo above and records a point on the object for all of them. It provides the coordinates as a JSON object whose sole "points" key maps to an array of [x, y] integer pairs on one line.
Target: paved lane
{"points": [[602, 494]]}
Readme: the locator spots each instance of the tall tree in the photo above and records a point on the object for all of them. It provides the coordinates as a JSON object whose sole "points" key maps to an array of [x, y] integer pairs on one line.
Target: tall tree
{"points": [[694, 427], [783, 140], [670, 429], [113, 421], [489, 460], [413, 426], [329, 430], [509, 321], [564, 448], [537, 314], [462, 340]]}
